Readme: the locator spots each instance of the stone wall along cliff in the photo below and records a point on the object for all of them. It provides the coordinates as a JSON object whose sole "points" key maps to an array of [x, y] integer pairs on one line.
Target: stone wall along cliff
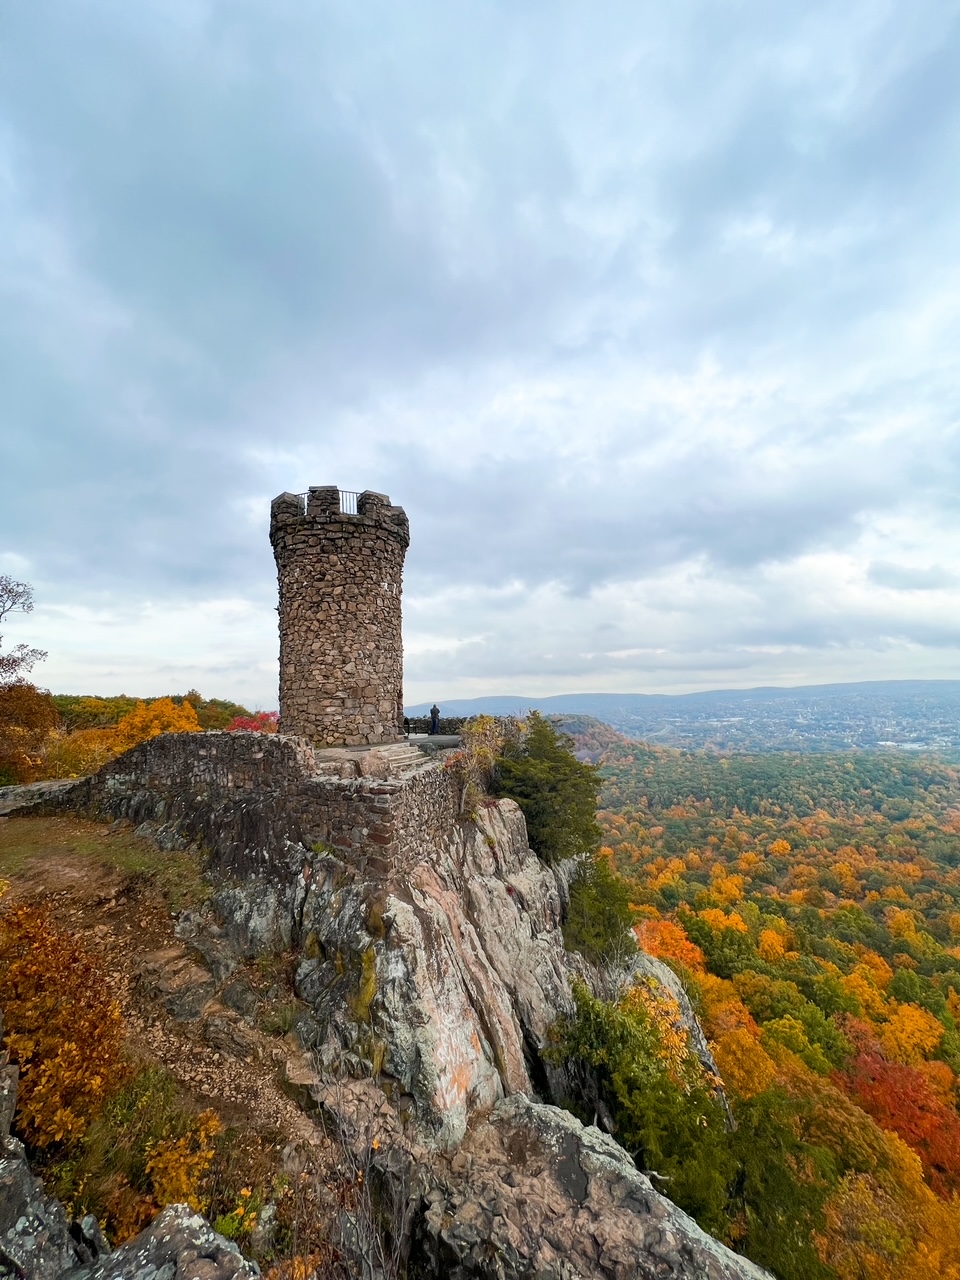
{"points": [[431, 945], [248, 799], [341, 650]]}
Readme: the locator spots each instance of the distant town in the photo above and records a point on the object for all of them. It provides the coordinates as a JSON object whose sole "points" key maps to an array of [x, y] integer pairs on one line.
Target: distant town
{"points": [[891, 715]]}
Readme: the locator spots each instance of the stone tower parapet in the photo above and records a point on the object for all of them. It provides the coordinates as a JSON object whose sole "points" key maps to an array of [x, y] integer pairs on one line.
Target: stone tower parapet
{"points": [[341, 648]]}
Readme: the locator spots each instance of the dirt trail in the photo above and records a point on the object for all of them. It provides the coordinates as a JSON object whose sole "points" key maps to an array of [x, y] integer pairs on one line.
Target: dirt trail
{"points": [[118, 894]]}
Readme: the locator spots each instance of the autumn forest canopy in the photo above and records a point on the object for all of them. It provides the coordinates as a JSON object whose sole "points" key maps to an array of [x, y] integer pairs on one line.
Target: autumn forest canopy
{"points": [[811, 905]]}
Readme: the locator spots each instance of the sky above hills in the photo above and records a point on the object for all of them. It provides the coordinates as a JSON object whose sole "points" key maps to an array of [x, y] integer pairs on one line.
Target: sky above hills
{"points": [[647, 314]]}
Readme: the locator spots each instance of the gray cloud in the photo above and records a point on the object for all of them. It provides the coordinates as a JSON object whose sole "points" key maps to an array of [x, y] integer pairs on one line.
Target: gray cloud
{"points": [[650, 305], [904, 577]]}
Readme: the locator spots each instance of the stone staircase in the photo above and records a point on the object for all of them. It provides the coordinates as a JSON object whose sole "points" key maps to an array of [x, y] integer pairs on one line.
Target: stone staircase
{"points": [[402, 756], [392, 760]]}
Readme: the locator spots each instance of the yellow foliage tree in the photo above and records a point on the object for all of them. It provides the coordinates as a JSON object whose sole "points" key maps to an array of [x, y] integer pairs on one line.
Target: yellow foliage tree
{"points": [[718, 919], [902, 923], [911, 1034], [72, 755], [665, 1013], [881, 971], [745, 1066], [866, 1235], [728, 888], [772, 945], [150, 720], [862, 984]]}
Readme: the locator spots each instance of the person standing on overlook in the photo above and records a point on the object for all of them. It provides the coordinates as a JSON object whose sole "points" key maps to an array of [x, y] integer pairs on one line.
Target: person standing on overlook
{"points": [[434, 719]]}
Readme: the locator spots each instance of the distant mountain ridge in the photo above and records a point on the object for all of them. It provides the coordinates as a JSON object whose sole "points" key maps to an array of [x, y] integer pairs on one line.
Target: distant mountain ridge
{"points": [[872, 714]]}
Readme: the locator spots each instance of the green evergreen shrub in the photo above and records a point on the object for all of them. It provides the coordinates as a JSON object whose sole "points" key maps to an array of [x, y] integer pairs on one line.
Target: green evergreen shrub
{"points": [[557, 793], [665, 1111], [599, 921]]}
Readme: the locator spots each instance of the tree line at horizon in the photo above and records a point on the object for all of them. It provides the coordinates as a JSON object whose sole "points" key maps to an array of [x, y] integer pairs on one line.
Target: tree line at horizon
{"points": [[44, 735]]}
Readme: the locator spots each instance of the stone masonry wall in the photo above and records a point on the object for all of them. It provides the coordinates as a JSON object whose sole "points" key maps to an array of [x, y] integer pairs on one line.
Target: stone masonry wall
{"points": [[254, 801], [341, 650]]}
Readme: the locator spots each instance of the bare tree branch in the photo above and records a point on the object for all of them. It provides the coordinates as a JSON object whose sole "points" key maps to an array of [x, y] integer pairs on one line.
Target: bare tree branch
{"points": [[16, 597]]}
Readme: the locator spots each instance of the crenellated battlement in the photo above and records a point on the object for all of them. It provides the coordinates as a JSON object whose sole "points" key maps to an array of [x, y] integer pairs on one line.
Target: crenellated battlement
{"points": [[324, 503], [340, 569]]}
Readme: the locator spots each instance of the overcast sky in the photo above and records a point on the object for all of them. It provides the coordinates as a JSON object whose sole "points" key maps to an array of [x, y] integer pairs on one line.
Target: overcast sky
{"points": [[647, 313]]}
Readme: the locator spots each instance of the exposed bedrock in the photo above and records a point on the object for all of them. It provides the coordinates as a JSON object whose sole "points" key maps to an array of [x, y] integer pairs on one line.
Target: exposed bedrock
{"points": [[537, 1194], [531, 1194], [450, 975], [430, 945], [430, 954]]}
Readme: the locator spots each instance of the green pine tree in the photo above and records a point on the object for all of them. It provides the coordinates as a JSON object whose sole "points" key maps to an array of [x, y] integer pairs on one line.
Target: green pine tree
{"points": [[557, 793]]}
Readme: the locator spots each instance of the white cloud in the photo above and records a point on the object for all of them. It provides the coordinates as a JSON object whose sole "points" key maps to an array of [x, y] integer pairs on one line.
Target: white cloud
{"points": [[647, 317]]}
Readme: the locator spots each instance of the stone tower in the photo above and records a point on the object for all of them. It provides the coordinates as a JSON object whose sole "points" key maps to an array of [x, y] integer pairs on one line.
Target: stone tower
{"points": [[340, 564]]}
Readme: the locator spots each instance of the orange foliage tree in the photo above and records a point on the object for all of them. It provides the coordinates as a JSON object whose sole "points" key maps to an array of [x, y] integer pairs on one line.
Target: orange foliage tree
{"points": [[63, 1029], [27, 716], [668, 941]]}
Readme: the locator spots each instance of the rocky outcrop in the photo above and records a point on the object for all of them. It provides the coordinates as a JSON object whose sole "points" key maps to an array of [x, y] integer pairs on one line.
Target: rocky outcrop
{"points": [[35, 1239], [178, 1245], [531, 1194], [431, 945], [534, 1193], [447, 978]]}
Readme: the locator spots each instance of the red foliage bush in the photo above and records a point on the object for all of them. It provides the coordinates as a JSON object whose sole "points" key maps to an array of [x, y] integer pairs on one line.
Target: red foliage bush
{"points": [[259, 722], [901, 1098]]}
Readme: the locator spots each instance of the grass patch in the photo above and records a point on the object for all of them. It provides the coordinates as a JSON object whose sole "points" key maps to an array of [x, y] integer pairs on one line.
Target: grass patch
{"points": [[281, 1018], [147, 1109], [28, 844]]}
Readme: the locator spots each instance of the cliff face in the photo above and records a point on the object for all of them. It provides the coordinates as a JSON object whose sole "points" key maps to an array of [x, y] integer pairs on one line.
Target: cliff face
{"points": [[430, 945], [429, 951], [448, 975]]}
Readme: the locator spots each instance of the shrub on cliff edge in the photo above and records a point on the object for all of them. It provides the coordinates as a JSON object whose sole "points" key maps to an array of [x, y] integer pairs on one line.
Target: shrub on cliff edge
{"points": [[557, 793], [600, 919]]}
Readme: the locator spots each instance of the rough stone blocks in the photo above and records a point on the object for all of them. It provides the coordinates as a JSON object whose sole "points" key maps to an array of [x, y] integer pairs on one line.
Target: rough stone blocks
{"points": [[341, 650]]}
